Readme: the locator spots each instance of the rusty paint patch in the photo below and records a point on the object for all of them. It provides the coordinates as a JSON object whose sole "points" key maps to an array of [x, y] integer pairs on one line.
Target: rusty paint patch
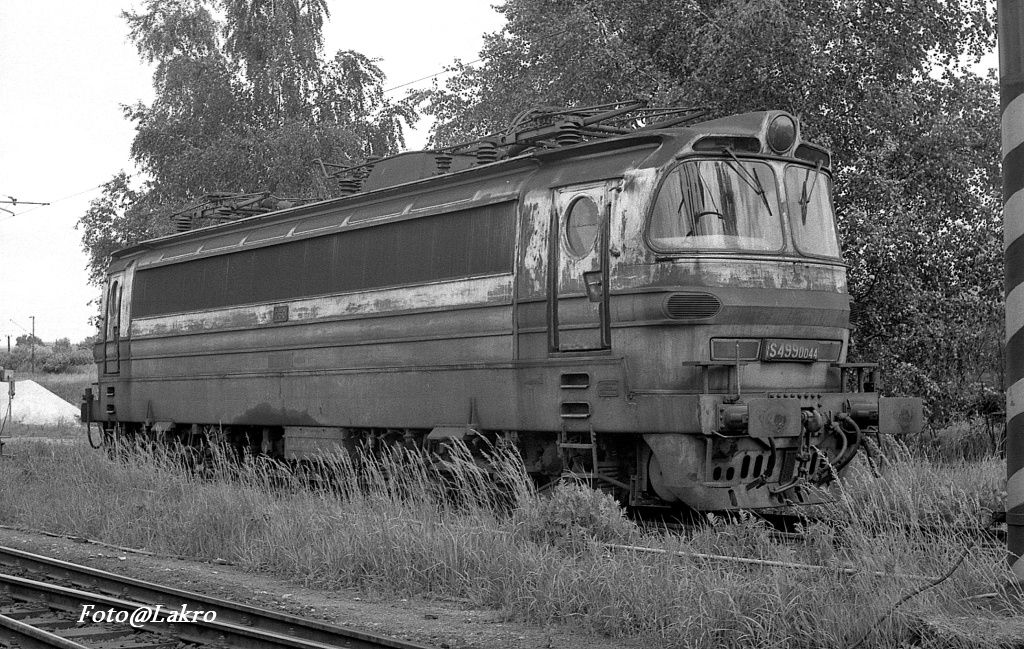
{"points": [[267, 414]]}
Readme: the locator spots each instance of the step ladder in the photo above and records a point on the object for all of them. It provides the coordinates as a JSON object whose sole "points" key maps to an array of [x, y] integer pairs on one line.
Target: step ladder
{"points": [[587, 442]]}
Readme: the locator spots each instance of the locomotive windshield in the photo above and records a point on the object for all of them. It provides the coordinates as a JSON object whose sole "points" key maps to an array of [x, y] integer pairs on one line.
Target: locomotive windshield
{"points": [[810, 211], [717, 204]]}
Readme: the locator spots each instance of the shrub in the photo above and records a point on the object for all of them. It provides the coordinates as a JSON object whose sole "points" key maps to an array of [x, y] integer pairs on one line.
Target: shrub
{"points": [[573, 516], [20, 358], [58, 358], [56, 363], [82, 356]]}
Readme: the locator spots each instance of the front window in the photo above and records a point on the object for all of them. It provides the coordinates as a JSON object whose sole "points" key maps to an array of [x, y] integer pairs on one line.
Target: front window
{"points": [[717, 205], [808, 197]]}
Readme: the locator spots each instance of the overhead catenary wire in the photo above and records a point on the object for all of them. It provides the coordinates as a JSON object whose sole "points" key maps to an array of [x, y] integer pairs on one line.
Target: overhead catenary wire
{"points": [[99, 186], [15, 201], [447, 70], [53, 202], [429, 76]]}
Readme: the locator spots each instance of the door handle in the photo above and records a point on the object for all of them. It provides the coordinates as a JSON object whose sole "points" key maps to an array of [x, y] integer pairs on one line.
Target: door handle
{"points": [[594, 283]]}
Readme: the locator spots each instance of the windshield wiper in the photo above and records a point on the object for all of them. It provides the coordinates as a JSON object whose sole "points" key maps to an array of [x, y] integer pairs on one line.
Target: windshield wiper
{"points": [[682, 201], [703, 189], [805, 196], [746, 175]]}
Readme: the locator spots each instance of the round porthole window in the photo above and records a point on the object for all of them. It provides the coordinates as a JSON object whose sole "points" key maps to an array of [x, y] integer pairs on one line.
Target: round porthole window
{"points": [[582, 225]]}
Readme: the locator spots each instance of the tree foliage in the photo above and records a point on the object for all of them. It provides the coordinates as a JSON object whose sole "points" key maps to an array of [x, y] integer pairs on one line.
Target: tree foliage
{"points": [[121, 216], [915, 137], [244, 101], [27, 340]]}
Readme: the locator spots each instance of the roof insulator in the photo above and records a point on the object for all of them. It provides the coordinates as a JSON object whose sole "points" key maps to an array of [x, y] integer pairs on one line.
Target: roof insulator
{"points": [[443, 162], [349, 185], [569, 132], [486, 151], [183, 221]]}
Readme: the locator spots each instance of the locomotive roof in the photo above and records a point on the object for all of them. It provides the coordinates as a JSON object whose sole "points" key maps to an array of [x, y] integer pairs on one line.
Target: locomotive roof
{"points": [[495, 181]]}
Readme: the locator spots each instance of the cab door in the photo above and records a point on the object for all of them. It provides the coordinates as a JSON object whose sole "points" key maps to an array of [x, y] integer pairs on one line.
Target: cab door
{"points": [[112, 325], [578, 258]]}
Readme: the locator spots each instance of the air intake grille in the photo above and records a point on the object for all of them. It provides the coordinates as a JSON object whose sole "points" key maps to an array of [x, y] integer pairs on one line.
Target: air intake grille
{"points": [[691, 306]]}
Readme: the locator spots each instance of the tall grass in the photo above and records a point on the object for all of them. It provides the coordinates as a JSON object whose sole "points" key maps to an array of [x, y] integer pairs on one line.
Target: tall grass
{"points": [[395, 522], [66, 432], [972, 438], [903, 486]]}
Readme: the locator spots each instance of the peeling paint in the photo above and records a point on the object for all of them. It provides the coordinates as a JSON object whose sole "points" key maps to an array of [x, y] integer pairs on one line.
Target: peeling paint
{"points": [[535, 226], [634, 202], [735, 272], [442, 295]]}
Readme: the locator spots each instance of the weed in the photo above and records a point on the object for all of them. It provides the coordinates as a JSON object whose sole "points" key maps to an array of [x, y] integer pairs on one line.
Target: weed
{"points": [[398, 522], [573, 516]]}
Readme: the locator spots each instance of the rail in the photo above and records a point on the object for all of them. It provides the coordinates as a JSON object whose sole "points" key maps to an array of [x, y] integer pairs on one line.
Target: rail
{"points": [[15, 633], [236, 624]]}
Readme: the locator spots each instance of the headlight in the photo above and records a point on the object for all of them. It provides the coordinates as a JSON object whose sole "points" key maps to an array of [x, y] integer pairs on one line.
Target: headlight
{"points": [[781, 133]]}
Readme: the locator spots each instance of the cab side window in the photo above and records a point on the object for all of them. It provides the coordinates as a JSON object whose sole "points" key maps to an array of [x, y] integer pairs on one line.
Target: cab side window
{"points": [[114, 311]]}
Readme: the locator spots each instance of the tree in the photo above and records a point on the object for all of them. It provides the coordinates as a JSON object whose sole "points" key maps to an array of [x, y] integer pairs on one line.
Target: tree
{"points": [[244, 102], [915, 138], [823, 59], [121, 216], [278, 46], [28, 340]]}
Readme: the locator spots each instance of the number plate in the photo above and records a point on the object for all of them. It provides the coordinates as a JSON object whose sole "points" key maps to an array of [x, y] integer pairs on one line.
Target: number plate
{"points": [[801, 351]]}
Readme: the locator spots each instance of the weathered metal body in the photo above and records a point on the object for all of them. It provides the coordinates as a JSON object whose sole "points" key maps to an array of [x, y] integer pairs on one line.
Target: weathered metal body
{"points": [[554, 298]]}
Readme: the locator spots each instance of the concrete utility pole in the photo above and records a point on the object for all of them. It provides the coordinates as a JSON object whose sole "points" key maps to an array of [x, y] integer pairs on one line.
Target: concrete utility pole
{"points": [[1011, 95], [32, 341]]}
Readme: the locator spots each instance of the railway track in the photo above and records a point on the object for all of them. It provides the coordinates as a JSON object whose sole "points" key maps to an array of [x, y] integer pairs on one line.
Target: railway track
{"points": [[42, 606]]}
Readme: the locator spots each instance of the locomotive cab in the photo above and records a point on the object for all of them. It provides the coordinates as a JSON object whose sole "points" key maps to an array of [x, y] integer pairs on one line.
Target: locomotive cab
{"points": [[741, 236]]}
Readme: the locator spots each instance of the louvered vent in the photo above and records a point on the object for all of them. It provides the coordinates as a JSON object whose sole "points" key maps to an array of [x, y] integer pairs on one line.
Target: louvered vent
{"points": [[691, 306]]}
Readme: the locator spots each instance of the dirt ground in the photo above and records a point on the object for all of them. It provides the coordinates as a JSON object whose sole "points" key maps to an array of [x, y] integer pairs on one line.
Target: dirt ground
{"points": [[444, 624]]}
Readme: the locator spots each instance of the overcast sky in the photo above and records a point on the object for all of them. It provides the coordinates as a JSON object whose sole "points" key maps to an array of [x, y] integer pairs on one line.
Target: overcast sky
{"points": [[66, 67]]}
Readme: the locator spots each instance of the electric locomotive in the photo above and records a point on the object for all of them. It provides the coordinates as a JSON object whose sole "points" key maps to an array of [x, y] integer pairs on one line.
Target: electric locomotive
{"points": [[647, 301]]}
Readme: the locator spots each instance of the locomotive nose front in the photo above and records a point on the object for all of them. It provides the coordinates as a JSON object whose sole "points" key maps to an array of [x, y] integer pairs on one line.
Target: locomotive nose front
{"points": [[764, 452], [744, 219], [762, 447]]}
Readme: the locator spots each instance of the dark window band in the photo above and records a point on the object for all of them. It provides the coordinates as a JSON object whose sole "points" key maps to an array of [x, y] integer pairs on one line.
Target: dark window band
{"points": [[477, 241]]}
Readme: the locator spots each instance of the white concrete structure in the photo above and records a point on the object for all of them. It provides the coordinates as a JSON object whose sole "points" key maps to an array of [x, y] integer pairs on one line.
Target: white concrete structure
{"points": [[35, 405]]}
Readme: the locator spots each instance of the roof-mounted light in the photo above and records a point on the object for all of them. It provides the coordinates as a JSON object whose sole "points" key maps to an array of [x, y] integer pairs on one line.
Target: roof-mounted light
{"points": [[781, 134]]}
